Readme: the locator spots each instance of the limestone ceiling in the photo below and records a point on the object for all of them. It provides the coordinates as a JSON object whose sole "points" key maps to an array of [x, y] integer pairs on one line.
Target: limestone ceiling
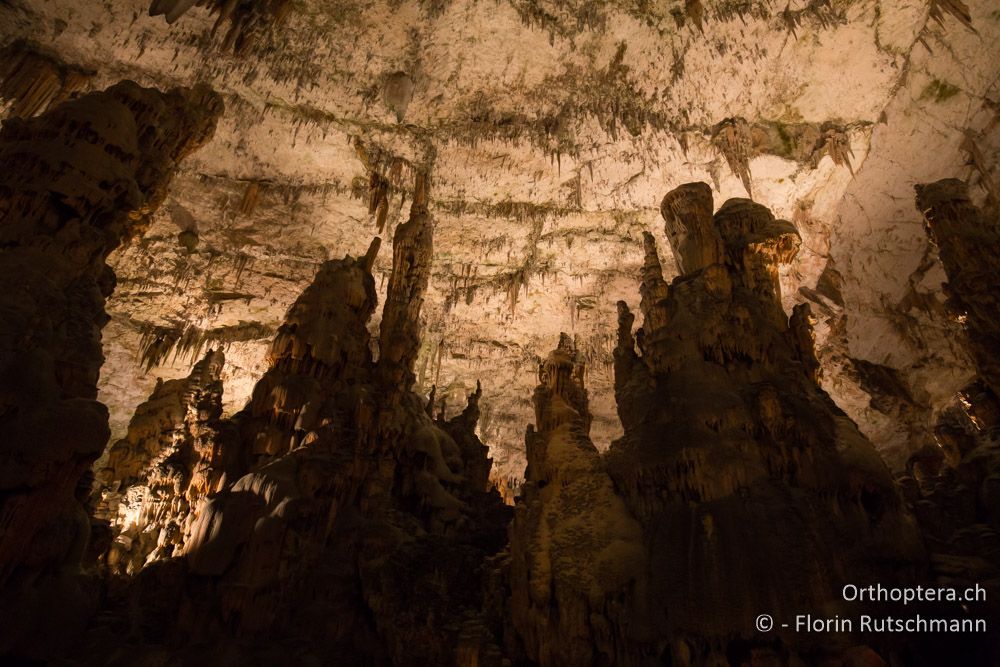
{"points": [[552, 130]]}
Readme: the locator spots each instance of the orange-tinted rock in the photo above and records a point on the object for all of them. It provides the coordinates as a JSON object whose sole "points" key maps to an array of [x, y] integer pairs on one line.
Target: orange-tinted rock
{"points": [[752, 489], [170, 459]]}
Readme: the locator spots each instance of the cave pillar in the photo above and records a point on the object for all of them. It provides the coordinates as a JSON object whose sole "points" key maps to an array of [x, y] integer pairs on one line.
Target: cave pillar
{"points": [[399, 332], [89, 175]]}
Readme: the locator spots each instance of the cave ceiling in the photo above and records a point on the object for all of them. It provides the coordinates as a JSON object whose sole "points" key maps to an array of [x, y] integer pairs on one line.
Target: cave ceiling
{"points": [[551, 130]]}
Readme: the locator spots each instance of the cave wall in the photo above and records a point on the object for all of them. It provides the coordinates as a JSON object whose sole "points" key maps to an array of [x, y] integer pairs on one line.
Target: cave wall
{"points": [[783, 368]]}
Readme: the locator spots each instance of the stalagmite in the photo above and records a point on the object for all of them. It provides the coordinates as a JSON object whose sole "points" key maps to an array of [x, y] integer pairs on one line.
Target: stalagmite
{"points": [[217, 447], [89, 174], [578, 565], [399, 332], [322, 342], [170, 459], [725, 428], [343, 496]]}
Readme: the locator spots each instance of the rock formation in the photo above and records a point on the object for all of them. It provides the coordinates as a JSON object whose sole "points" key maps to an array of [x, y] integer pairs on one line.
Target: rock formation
{"points": [[578, 564], [322, 345], [351, 520], [968, 241], [31, 81], [399, 331], [954, 485], [170, 460], [89, 172], [749, 483], [322, 509]]}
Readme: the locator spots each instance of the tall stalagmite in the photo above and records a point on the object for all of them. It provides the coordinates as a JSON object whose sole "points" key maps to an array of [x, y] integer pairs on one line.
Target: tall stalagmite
{"points": [[399, 331], [88, 175], [753, 490], [352, 522], [578, 565]]}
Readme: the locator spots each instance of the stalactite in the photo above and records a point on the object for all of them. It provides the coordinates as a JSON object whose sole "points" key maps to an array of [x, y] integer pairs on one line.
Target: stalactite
{"points": [[186, 342], [836, 143], [248, 20], [250, 196], [822, 12], [31, 82], [956, 8], [732, 139]]}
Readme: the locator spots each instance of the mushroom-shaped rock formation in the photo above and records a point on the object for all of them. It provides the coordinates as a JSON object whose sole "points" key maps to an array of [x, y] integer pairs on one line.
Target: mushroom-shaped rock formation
{"points": [[753, 490]]}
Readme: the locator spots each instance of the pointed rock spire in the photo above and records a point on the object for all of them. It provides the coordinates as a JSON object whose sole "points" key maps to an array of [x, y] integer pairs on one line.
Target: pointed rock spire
{"points": [[412, 252]]}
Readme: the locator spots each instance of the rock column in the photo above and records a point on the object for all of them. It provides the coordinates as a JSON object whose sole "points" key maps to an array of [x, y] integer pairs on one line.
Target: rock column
{"points": [[754, 492], [88, 175]]}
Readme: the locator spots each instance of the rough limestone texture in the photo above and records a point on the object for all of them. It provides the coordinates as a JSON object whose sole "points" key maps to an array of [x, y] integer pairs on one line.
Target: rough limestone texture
{"points": [[79, 179], [153, 480], [968, 240], [578, 563], [352, 527], [554, 127], [749, 483], [953, 485]]}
